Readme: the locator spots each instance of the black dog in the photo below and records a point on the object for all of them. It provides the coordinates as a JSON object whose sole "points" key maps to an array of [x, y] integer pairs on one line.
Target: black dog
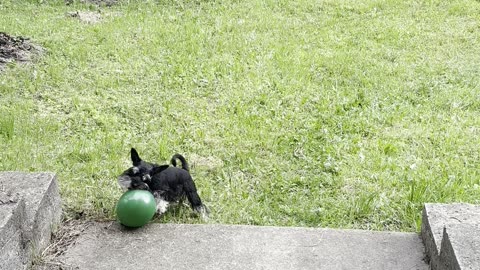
{"points": [[167, 184]]}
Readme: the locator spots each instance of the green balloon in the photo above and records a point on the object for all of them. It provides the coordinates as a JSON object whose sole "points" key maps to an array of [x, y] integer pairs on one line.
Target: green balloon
{"points": [[136, 208]]}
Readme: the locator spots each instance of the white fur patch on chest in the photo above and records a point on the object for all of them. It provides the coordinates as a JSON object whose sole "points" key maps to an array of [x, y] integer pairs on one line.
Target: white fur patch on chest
{"points": [[162, 205]]}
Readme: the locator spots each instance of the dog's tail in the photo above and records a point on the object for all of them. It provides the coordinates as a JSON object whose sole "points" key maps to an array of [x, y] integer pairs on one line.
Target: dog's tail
{"points": [[182, 159]]}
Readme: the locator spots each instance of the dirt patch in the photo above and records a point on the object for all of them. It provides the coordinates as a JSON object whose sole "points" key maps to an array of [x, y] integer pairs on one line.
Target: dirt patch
{"points": [[102, 2], [107, 3], [206, 163], [63, 237], [18, 49], [86, 16]]}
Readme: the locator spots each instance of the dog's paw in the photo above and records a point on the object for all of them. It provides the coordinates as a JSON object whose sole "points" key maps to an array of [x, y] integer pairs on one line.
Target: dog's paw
{"points": [[202, 211]]}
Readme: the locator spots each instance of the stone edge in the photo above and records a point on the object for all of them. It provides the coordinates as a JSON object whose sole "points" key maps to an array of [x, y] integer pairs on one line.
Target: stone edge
{"points": [[13, 253], [432, 252], [442, 256], [27, 239]]}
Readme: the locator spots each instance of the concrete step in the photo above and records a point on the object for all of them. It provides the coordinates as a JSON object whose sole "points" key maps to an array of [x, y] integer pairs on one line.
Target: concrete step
{"points": [[12, 214], [451, 233], [30, 208], [169, 246]]}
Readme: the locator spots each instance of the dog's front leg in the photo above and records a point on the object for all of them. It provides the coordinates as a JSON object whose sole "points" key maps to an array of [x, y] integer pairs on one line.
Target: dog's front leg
{"points": [[162, 204]]}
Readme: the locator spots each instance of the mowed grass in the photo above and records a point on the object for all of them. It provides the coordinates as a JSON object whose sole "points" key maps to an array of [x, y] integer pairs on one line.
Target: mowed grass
{"points": [[346, 114]]}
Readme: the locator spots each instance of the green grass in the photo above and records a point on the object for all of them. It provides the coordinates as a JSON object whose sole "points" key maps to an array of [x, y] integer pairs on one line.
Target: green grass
{"points": [[347, 114]]}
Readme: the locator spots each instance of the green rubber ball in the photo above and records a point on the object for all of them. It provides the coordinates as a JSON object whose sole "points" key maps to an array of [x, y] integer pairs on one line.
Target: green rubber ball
{"points": [[136, 208]]}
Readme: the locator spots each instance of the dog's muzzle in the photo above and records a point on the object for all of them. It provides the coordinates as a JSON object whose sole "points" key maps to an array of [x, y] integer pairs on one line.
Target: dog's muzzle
{"points": [[146, 178]]}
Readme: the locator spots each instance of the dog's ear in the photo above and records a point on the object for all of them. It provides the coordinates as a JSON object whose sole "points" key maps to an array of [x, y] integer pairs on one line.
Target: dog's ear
{"points": [[158, 169], [135, 157]]}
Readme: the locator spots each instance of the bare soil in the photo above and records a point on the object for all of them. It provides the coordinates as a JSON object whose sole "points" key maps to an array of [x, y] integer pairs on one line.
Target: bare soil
{"points": [[107, 3], [86, 16], [102, 2], [16, 49]]}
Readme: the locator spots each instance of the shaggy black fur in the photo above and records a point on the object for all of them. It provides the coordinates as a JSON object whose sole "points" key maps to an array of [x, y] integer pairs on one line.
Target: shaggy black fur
{"points": [[167, 184]]}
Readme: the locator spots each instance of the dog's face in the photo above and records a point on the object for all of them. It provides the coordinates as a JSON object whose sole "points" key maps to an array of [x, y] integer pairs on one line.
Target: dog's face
{"points": [[133, 178], [137, 176]]}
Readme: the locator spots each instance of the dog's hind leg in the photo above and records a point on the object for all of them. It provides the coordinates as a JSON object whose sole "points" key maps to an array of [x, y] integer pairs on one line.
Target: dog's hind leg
{"points": [[194, 199]]}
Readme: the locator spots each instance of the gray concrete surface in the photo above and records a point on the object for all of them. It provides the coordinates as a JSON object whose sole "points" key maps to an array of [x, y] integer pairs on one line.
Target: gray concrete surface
{"points": [[440, 218], [460, 248], [28, 225], [12, 247], [163, 246]]}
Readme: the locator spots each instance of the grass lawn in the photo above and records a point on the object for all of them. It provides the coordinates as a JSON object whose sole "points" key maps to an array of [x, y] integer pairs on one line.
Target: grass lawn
{"points": [[338, 113]]}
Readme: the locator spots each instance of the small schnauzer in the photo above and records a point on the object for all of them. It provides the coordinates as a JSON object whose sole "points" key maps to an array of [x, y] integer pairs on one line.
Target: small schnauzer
{"points": [[167, 184]]}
